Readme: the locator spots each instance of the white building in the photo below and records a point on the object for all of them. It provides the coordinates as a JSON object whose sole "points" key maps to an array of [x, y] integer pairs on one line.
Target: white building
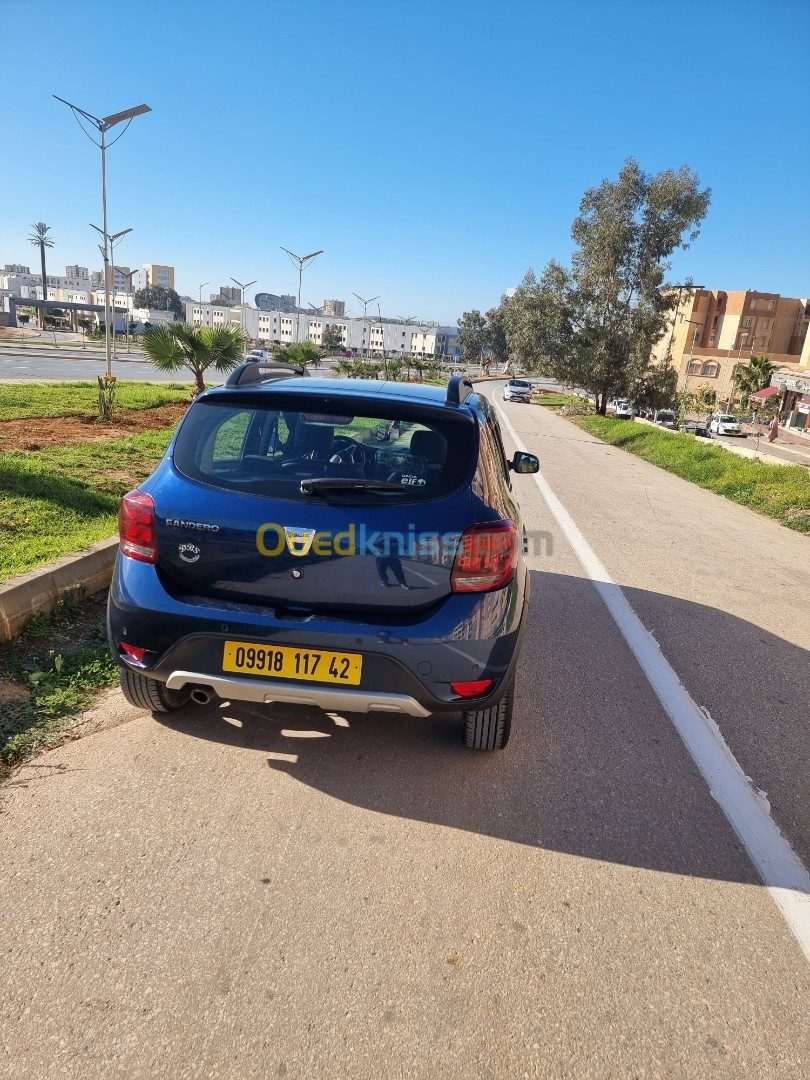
{"points": [[363, 337]]}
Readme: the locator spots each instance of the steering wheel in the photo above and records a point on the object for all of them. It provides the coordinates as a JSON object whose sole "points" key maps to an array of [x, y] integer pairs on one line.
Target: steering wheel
{"points": [[352, 453]]}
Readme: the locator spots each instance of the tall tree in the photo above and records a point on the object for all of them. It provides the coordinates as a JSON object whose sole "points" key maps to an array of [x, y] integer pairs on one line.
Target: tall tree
{"points": [[39, 238], [158, 298], [332, 336], [473, 338], [171, 346], [496, 334], [594, 325]]}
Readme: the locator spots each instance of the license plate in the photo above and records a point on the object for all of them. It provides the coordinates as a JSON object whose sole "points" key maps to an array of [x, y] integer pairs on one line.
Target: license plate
{"points": [[288, 662]]}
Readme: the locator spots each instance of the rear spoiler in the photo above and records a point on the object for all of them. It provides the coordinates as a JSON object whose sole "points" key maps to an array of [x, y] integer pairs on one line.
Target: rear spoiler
{"points": [[253, 372]]}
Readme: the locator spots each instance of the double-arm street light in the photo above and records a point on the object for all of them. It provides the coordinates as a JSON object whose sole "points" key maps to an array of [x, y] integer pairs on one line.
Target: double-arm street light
{"points": [[687, 373], [692, 288], [365, 304], [243, 287], [129, 275], [109, 270], [302, 262], [103, 125]]}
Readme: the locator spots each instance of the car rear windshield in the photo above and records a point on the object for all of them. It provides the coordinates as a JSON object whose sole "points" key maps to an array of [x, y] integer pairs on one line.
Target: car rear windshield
{"points": [[269, 448]]}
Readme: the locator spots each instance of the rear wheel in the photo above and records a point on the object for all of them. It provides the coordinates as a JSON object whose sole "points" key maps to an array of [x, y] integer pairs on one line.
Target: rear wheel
{"points": [[149, 693], [488, 729]]}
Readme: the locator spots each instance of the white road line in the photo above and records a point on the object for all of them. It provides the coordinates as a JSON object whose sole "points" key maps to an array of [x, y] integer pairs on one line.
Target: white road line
{"points": [[779, 867]]}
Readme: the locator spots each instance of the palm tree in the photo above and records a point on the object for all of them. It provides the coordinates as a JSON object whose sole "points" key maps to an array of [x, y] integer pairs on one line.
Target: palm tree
{"points": [[305, 352], [39, 238], [753, 376], [171, 346]]}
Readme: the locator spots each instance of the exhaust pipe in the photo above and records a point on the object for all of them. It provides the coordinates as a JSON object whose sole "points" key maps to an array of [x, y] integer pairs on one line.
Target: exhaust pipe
{"points": [[201, 695]]}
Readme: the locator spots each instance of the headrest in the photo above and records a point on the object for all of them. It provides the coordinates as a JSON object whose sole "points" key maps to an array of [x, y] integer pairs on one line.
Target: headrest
{"points": [[313, 437], [430, 446]]}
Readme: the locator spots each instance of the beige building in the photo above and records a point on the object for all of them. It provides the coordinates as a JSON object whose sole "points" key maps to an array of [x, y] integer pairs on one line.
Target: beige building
{"points": [[712, 331], [155, 274]]}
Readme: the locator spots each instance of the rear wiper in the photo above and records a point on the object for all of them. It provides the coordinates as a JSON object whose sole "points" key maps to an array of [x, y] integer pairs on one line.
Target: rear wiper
{"points": [[346, 483]]}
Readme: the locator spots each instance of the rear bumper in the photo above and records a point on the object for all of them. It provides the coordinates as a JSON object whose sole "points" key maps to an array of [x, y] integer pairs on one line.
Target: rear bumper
{"points": [[327, 698], [407, 667]]}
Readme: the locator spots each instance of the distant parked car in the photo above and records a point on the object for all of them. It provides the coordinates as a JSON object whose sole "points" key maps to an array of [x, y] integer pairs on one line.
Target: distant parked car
{"points": [[699, 430], [724, 424], [624, 411], [666, 418], [517, 390]]}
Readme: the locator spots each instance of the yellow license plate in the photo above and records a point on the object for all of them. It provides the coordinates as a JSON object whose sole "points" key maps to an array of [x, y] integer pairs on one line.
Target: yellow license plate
{"points": [[287, 662]]}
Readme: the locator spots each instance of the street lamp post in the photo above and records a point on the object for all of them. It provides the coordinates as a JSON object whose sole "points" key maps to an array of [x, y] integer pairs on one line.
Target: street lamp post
{"points": [[691, 288], [103, 125], [109, 269], [302, 262], [242, 310], [201, 287], [130, 274], [365, 304], [692, 322]]}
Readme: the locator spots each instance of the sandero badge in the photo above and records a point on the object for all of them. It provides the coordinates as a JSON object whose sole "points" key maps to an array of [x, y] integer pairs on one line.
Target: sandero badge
{"points": [[385, 626]]}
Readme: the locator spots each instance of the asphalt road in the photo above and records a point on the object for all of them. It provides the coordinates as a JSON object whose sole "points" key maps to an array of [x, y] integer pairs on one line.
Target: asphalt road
{"points": [[27, 363], [21, 363], [234, 892], [787, 447]]}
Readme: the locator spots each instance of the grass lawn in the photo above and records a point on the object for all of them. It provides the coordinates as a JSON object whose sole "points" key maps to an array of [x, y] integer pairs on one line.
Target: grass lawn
{"points": [[56, 667], [557, 401], [782, 492], [58, 500], [23, 400]]}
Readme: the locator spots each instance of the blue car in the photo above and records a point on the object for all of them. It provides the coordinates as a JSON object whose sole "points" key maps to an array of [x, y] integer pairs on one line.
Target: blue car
{"points": [[283, 552]]}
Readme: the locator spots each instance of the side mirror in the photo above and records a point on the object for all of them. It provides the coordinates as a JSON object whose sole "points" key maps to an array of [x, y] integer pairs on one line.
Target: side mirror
{"points": [[525, 463]]}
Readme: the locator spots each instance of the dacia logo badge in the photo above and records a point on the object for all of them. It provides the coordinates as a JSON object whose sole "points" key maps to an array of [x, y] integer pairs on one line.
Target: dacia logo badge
{"points": [[299, 541]]}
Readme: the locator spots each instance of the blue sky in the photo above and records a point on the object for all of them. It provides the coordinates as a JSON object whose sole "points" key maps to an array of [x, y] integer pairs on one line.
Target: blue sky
{"points": [[435, 150]]}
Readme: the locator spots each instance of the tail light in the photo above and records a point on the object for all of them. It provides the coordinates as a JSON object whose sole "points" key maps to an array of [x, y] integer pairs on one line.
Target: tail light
{"points": [[137, 528], [486, 558], [133, 653], [472, 689]]}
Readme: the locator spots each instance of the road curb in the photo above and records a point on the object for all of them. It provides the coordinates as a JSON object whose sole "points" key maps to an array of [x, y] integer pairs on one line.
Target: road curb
{"points": [[40, 590], [740, 451]]}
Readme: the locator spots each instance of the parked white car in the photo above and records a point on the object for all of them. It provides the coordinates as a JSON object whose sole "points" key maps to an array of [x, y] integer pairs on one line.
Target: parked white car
{"points": [[517, 390], [624, 411], [724, 424]]}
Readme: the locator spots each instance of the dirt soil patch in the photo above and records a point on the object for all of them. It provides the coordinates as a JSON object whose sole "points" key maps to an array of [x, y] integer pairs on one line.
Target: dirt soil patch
{"points": [[36, 433]]}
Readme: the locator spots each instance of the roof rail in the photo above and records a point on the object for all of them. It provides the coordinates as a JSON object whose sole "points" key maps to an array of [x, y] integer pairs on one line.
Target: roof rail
{"points": [[459, 389], [259, 371]]}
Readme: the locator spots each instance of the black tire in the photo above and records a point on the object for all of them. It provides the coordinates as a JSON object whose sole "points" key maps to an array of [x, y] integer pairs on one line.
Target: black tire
{"points": [[150, 694], [489, 729]]}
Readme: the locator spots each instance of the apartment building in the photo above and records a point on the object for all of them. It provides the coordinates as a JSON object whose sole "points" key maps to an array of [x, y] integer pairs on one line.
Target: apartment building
{"points": [[334, 307], [228, 292], [712, 331], [154, 274], [364, 337]]}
